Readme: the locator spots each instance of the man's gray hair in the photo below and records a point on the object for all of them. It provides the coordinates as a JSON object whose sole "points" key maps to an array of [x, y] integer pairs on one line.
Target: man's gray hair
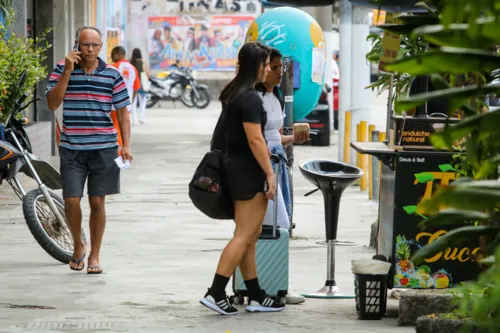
{"points": [[87, 27]]}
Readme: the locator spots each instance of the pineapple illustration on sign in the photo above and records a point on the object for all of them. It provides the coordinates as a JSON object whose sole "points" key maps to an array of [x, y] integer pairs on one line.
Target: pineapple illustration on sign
{"points": [[403, 253], [405, 267]]}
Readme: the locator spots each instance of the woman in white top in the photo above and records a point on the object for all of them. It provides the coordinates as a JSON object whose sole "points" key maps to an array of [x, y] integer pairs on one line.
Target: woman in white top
{"points": [[273, 130]]}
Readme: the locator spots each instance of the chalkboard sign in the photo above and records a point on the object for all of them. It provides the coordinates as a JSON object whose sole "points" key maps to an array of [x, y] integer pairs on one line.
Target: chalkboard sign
{"points": [[418, 175]]}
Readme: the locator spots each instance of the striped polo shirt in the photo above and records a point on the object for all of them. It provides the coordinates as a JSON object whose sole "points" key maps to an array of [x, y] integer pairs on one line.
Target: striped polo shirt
{"points": [[87, 106]]}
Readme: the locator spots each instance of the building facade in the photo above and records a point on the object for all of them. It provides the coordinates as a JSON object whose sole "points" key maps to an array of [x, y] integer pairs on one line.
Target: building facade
{"points": [[64, 17], [111, 17]]}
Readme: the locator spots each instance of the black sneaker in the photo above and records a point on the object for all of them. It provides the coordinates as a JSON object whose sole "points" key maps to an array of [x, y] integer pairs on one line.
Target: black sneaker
{"points": [[266, 305], [220, 305]]}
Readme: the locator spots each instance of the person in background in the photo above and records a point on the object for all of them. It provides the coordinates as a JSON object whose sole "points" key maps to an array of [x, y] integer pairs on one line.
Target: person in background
{"points": [[336, 80], [142, 68], [167, 37], [335, 65], [204, 39], [131, 78], [189, 42], [156, 48], [276, 141], [240, 134], [88, 146]]}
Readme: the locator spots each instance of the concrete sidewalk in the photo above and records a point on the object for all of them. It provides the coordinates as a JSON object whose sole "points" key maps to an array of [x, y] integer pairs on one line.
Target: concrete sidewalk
{"points": [[160, 253]]}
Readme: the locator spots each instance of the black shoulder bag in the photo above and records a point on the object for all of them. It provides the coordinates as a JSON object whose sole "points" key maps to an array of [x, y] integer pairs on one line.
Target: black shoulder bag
{"points": [[208, 189]]}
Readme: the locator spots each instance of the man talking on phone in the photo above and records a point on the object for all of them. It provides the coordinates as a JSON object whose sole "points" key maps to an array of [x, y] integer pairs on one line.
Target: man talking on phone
{"points": [[88, 88]]}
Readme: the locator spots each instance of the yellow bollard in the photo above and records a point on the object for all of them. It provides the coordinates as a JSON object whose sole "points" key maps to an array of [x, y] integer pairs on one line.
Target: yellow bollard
{"points": [[347, 137], [363, 166], [381, 136], [371, 128], [358, 139]]}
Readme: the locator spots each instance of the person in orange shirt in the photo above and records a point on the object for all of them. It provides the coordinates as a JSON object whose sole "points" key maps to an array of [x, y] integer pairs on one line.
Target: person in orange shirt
{"points": [[132, 81]]}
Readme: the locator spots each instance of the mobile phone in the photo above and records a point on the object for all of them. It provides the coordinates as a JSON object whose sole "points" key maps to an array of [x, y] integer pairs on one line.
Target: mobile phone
{"points": [[76, 47]]}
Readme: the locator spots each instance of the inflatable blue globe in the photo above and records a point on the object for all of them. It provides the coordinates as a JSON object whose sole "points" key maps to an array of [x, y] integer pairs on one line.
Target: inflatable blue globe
{"points": [[295, 34]]}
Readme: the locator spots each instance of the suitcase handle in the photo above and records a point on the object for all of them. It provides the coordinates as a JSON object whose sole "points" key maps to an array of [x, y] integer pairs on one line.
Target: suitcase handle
{"points": [[277, 173]]}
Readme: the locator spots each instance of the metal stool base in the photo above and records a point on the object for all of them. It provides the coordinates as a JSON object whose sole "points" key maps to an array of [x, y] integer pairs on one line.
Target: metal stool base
{"points": [[328, 292], [336, 242]]}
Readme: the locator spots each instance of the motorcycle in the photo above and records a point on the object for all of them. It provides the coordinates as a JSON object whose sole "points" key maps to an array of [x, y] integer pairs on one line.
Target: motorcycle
{"points": [[178, 85], [169, 88], [42, 208], [194, 94]]}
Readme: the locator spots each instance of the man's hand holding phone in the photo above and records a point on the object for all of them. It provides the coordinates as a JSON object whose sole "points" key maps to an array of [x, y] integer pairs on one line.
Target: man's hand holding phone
{"points": [[72, 58]]}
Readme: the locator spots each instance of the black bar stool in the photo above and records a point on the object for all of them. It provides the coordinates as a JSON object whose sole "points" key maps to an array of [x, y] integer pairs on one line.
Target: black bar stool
{"points": [[331, 178]]}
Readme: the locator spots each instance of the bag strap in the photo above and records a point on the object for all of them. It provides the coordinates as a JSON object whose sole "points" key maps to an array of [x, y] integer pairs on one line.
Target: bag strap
{"points": [[220, 126]]}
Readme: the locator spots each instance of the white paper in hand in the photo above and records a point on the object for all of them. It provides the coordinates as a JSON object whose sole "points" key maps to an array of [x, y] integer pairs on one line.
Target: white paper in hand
{"points": [[122, 165]]}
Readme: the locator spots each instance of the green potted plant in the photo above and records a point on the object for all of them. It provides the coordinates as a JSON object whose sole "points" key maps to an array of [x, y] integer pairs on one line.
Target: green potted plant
{"points": [[5, 5], [19, 54]]}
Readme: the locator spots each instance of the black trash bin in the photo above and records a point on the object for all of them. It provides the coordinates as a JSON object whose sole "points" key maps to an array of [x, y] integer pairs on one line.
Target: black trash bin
{"points": [[371, 296]]}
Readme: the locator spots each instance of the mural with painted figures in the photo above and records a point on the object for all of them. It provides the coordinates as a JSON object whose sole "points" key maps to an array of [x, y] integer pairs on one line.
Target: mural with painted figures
{"points": [[210, 43]]}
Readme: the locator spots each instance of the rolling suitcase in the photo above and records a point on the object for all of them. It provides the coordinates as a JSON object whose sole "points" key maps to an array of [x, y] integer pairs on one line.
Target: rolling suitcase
{"points": [[272, 255]]}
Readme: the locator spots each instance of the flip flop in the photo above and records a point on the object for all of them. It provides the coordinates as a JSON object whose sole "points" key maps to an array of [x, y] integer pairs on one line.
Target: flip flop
{"points": [[91, 269], [77, 262]]}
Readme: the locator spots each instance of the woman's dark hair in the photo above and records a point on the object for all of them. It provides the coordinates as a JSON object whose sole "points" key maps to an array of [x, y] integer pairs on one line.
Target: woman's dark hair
{"points": [[274, 53], [250, 58], [136, 54]]}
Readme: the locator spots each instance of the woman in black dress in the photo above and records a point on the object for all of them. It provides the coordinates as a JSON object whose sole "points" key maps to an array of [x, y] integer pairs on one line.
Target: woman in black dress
{"points": [[250, 180]]}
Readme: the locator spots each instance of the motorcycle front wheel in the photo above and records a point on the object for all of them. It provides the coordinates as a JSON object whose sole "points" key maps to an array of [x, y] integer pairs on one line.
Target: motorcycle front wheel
{"points": [[186, 98], [54, 238], [204, 99]]}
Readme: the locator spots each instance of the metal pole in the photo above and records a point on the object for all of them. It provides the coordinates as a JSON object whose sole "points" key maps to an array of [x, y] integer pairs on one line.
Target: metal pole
{"points": [[330, 257], [389, 109], [360, 69], [345, 28], [287, 86], [288, 93], [374, 168]]}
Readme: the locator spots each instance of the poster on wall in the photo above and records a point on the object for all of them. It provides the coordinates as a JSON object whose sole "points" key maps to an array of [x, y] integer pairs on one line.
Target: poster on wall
{"points": [[210, 43], [112, 40]]}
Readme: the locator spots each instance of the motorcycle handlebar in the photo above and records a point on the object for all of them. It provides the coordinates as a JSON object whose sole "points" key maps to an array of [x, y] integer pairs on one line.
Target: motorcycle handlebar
{"points": [[29, 103], [21, 100]]}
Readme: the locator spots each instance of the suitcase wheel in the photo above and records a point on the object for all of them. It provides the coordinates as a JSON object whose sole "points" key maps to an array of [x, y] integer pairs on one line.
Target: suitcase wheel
{"points": [[237, 299], [281, 297]]}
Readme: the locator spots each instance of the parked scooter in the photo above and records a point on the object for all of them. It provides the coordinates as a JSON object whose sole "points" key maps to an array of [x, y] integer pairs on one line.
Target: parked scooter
{"points": [[175, 85], [164, 89], [43, 209], [194, 94]]}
